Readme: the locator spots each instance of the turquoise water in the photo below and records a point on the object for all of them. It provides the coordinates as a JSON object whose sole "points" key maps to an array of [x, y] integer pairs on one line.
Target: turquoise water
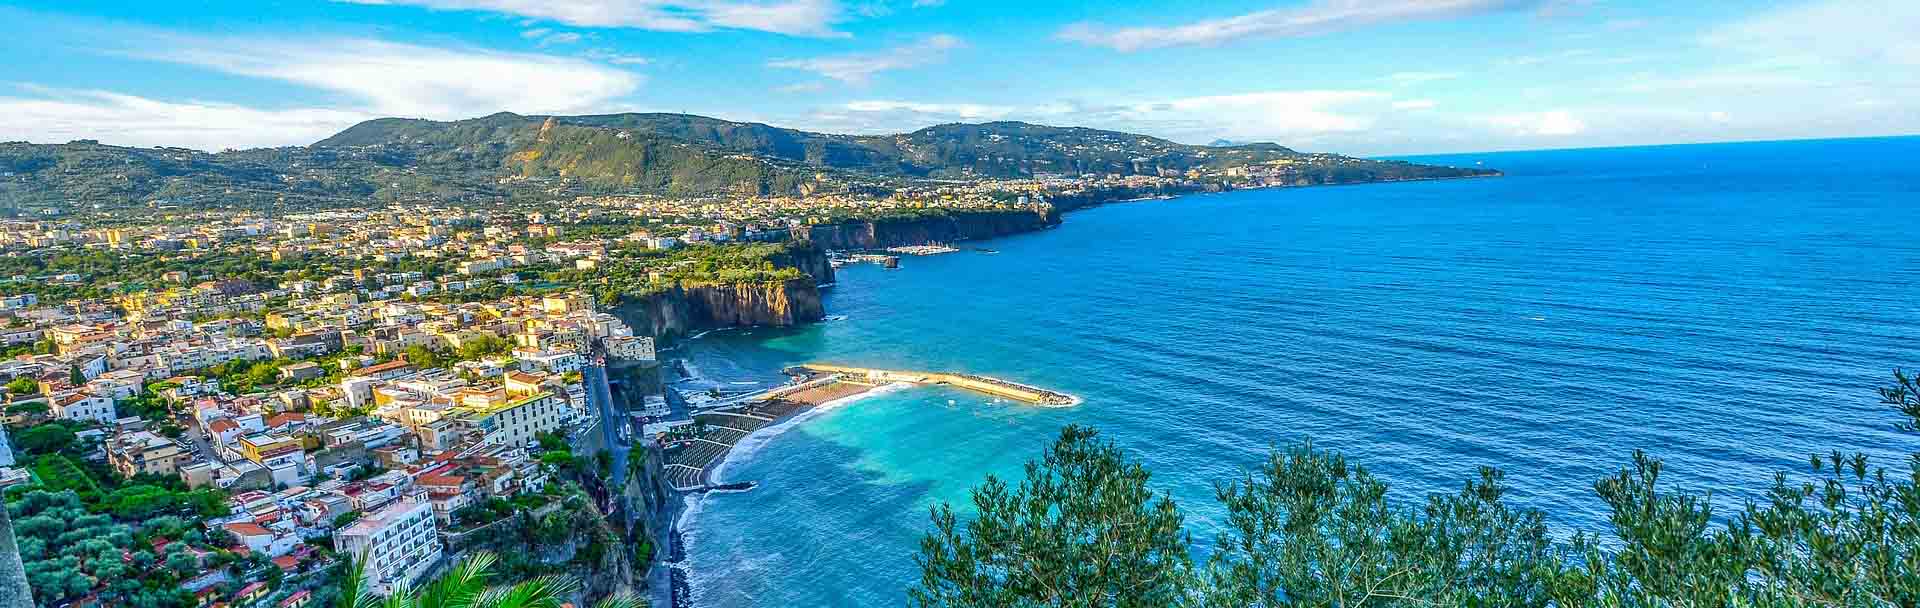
{"points": [[1729, 308]]}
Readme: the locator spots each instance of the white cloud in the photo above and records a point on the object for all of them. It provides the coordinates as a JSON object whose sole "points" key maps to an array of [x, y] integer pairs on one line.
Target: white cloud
{"points": [[802, 87], [1285, 116], [1415, 104], [1851, 33], [859, 68], [54, 115], [1317, 17], [793, 17], [615, 57], [365, 79], [1551, 123], [960, 111], [410, 80]]}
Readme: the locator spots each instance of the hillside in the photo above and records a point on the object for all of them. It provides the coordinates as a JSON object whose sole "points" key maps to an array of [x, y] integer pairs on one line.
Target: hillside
{"points": [[510, 157]]}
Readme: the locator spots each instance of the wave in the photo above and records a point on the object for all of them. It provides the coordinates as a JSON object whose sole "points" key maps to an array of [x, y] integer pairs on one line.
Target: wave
{"points": [[751, 444], [741, 451]]}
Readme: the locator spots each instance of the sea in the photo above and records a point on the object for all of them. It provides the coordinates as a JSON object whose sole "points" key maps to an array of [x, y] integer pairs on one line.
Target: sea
{"points": [[1728, 308]]}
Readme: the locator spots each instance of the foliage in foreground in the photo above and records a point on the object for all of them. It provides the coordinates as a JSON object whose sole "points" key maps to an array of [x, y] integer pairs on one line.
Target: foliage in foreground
{"points": [[1308, 528], [465, 585]]}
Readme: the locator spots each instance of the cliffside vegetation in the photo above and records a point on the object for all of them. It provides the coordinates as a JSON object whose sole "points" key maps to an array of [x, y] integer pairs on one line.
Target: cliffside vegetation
{"points": [[1310, 527], [635, 270]]}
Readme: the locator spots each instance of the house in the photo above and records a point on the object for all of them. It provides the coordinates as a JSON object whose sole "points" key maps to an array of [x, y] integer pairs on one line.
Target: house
{"points": [[81, 405], [140, 452], [299, 599], [260, 540]]}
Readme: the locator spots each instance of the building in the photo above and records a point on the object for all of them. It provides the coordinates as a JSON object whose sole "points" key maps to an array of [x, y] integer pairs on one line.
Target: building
{"points": [[398, 543], [284, 457], [514, 422], [79, 405], [145, 452]]}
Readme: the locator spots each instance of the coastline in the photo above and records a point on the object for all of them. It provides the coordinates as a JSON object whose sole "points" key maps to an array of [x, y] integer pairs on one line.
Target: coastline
{"points": [[692, 503]]}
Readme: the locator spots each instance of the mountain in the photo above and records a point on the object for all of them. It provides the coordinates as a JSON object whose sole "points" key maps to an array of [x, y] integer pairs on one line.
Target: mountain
{"points": [[510, 156]]}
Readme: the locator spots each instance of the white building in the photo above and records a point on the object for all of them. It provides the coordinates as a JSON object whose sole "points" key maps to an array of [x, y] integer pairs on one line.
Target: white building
{"points": [[553, 361], [398, 542], [513, 422], [79, 405]]}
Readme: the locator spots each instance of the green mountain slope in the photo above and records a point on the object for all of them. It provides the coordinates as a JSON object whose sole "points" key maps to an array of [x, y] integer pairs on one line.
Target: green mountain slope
{"points": [[508, 156]]}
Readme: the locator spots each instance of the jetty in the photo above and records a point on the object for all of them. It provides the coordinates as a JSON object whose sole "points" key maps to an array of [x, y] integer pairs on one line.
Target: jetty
{"points": [[695, 450], [980, 384]]}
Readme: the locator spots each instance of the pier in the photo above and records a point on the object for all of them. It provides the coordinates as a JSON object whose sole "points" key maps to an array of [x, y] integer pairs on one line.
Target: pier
{"points": [[980, 384]]}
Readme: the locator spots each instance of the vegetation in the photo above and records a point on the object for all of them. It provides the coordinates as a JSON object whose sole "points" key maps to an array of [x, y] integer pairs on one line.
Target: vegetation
{"points": [[70, 551], [512, 157], [1309, 528], [466, 586]]}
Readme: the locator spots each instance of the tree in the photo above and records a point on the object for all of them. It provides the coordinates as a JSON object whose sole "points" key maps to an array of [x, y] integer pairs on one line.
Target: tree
{"points": [[45, 438], [1309, 529], [1082, 529], [23, 386], [465, 586]]}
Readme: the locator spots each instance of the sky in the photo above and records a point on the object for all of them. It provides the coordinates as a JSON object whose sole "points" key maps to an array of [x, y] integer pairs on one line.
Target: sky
{"points": [[1367, 77]]}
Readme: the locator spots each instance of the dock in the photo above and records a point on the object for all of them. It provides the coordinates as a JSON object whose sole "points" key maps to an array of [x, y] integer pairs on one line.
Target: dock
{"points": [[980, 384]]}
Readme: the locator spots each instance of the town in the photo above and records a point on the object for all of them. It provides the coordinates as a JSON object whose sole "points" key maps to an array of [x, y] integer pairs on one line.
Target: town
{"points": [[238, 403]]}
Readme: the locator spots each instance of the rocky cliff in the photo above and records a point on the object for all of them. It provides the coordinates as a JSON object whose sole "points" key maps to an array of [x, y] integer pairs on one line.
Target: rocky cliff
{"points": [[684, 310], [689, 308], [949, 228]]}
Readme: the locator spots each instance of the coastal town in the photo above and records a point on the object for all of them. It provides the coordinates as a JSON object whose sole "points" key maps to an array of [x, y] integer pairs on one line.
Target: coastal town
{"points": [[242, 403]]}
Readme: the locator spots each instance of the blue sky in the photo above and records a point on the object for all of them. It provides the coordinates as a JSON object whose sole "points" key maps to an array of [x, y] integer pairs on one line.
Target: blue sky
{"points": [[1357, 76]]}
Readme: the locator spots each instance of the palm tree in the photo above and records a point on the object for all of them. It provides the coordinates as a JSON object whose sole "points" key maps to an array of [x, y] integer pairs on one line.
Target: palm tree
{"points": [[466, 587]]}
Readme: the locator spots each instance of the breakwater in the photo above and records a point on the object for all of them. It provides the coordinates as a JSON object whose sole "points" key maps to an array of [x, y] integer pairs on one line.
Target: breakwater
{"points": [[973, 382]]}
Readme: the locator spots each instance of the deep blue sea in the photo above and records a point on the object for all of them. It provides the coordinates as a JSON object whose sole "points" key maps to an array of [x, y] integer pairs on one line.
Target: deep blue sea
{"points": [[1728, 308]]}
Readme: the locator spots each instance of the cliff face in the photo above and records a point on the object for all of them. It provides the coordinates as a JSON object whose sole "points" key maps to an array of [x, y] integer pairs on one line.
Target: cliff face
{"points": [[682, 311], [947, 229]]}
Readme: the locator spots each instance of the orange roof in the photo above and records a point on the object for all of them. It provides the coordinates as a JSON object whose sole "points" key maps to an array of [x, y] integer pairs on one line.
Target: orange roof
{"points": [[246, 529], [222, 425], [285, 418], [381, 368]]}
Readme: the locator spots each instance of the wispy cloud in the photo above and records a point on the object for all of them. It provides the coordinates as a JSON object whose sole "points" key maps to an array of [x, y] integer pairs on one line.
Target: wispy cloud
{"points": [[1316, 18], [409, 80], [814, 18], [615, 57], [360, 78], [802, 87], [546, 37], [1252, 116], [1415, 104], [859, 68], [58, 115]]}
